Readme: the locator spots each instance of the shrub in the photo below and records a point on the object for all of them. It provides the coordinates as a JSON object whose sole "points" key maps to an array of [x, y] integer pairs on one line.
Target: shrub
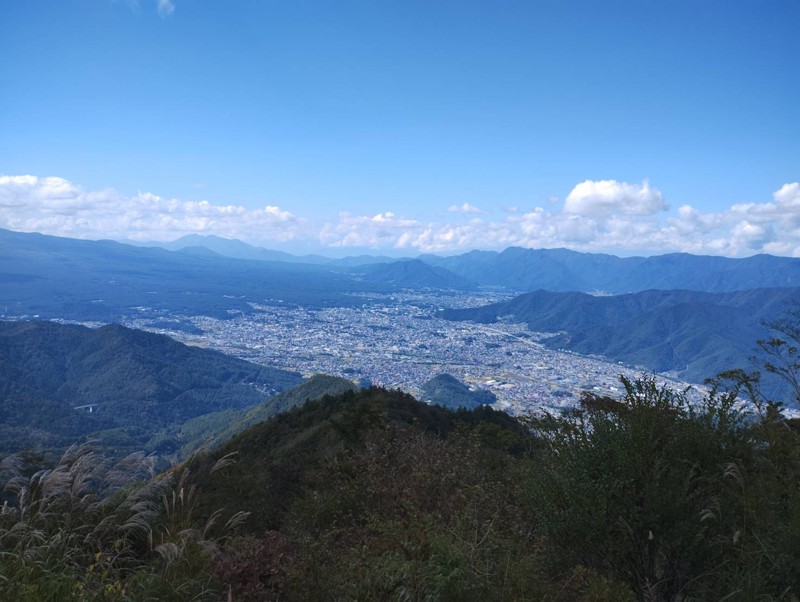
{"points": [[680, 501]]}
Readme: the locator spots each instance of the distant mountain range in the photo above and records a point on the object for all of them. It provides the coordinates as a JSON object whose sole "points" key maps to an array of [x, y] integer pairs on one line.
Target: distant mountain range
{"points": [[563, 270], [694, 334], [415, 274], [520, 269], [104, 280], [60, 383], [237, 249]]}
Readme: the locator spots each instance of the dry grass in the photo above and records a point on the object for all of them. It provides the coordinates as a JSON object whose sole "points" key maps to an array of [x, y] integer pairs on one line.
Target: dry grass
{"points": [[88, 529]]}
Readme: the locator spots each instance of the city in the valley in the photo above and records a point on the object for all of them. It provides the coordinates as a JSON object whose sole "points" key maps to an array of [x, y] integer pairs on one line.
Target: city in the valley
{"points": [[398, 341]]}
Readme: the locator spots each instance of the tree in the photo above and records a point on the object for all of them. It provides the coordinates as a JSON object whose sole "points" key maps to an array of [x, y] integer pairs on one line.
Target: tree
{"points": [[781, 352], [679, 500]]}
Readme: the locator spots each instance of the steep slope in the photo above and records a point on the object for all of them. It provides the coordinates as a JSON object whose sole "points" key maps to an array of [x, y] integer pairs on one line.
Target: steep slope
{"points": [[218, 427], [133, 380], [695, 340]]}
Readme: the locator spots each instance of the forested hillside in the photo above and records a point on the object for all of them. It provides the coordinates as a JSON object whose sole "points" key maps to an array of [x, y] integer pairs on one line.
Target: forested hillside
{"points": [[127, 385], [564, 270], [217, 427]]}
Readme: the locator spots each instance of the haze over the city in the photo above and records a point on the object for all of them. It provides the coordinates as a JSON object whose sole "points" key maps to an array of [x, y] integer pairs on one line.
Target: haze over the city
{"points": [[403, 128]]}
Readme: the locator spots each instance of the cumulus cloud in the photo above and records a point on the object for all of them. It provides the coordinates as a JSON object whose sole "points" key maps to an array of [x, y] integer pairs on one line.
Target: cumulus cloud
{"points": [[57, 206], [381, 230], [785, 209], [606, 197], [745, 228], [604, 216], [465, 208], [388, 231]]}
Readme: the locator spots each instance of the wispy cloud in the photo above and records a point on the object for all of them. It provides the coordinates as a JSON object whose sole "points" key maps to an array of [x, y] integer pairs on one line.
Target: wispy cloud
{"points": [[165, 8], [604, 215]]}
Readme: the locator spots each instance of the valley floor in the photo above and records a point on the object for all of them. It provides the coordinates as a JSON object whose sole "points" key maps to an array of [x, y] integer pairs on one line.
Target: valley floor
{"points": [[397, 341]]}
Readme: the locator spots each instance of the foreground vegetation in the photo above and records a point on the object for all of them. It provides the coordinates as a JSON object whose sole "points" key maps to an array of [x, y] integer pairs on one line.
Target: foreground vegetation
{"points": [[373, 495]]}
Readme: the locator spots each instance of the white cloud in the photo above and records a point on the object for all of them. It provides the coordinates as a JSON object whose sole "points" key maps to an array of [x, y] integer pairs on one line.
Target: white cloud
{"points": [[165, 8], [749, 236], [387, 231], [57, 206], [788, 195], [606, 197], [603, 216], [374, 231], [745, 228], [465, 208]]}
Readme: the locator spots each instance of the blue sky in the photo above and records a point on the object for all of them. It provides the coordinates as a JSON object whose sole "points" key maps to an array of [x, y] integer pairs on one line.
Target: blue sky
{"points": [[405, 127]]}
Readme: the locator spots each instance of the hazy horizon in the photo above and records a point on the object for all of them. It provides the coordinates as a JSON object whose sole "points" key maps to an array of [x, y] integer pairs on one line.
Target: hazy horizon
{"points": [[349, 252]]}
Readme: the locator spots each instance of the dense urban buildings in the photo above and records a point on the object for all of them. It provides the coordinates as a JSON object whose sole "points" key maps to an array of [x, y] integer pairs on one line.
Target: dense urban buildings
{"points": [[398, 341]]}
